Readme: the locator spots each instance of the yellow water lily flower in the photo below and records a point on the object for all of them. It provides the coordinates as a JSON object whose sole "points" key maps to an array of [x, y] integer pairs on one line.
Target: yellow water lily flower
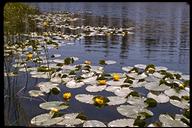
{"points": [[87, 62], [45, 24], [54, 110], [102, 82], [29, 56], [67, 95], [151, 70], [99, 101], [116, 77], [181, 86], [45, 34]]}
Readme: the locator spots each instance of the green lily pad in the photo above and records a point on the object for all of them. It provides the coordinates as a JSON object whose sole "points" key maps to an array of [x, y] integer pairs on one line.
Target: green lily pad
{"points": [[151, 102], [85, 98], [116, 100], [95, 88], [35, 93], [70, 119], [93, 123], [168, 121], [161, 98], [121, 123], [53, 104], [45, 120], [132, 111], [74, 84]]}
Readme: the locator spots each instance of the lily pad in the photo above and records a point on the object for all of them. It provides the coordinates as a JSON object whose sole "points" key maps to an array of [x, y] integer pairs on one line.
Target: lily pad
{"points": [[137, 101], [172, 92], [70, 120], [93, 123], [141, 66], [168, 121], [154, 86], [73, 84], [121, 123], [181, 104], [35, 93], [90, 80], [127, 69], [132, 111], [46, 86], [85, 98], [123, 92], [116, 100], [162, 98], [110, 62], [56, 80], [95, 88], [53, 104], [112, 88], [45, 120], [116, 83]]}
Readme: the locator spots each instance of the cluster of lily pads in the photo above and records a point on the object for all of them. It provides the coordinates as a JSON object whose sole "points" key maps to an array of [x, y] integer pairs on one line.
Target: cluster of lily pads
{"points": [[164, 86], [64, 26]]}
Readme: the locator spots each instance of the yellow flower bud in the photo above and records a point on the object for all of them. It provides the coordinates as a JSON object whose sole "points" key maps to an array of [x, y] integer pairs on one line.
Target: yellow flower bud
{"points": [[29, 56], [181, 86], [102, 82], [45, 24], [99, 101], [54, 110], [87, 62], [67, 95], [116, 77]]}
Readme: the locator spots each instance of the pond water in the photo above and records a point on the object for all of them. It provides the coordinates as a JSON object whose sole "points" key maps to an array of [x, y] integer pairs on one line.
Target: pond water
{"points": [[160, 36]]}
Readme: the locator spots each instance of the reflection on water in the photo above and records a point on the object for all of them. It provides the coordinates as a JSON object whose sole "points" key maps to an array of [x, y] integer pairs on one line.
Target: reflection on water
{"points": [[161, 34], [161, 37]]}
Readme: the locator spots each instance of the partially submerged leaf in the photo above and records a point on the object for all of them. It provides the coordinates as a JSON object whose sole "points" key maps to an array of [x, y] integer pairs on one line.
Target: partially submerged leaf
{"points": [[53, 104], [35, 93], [93, 123]]}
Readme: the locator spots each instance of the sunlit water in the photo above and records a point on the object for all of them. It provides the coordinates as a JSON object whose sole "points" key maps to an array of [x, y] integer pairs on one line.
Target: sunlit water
{"points": [[161, 37]]}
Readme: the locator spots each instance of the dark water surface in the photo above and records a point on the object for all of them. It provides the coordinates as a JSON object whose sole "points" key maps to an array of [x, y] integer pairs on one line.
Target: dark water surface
{"points": [[161, 37]]}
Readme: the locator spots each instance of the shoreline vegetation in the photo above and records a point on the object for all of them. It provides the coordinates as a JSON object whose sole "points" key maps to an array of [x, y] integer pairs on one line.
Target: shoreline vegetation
{"points": [[16, 18]]}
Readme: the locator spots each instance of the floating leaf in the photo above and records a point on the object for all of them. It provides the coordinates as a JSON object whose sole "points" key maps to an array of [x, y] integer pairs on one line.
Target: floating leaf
{"points": [[53, 104], [123, 92], [74, 84], [93, 123], [45, 120], [173, 92], [116, 100], [162, 98], [181, 104], [46, 86], [55, 90], [151, 102], [116, 83], [154, 86], [141, 66], [85, 98], [91, 80], [127, 69], [110, 62], [35, 93], [112, 88], [168, 121], [121, 123], [70, 120], [95, 88], [132, 111], [137, 101]]}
